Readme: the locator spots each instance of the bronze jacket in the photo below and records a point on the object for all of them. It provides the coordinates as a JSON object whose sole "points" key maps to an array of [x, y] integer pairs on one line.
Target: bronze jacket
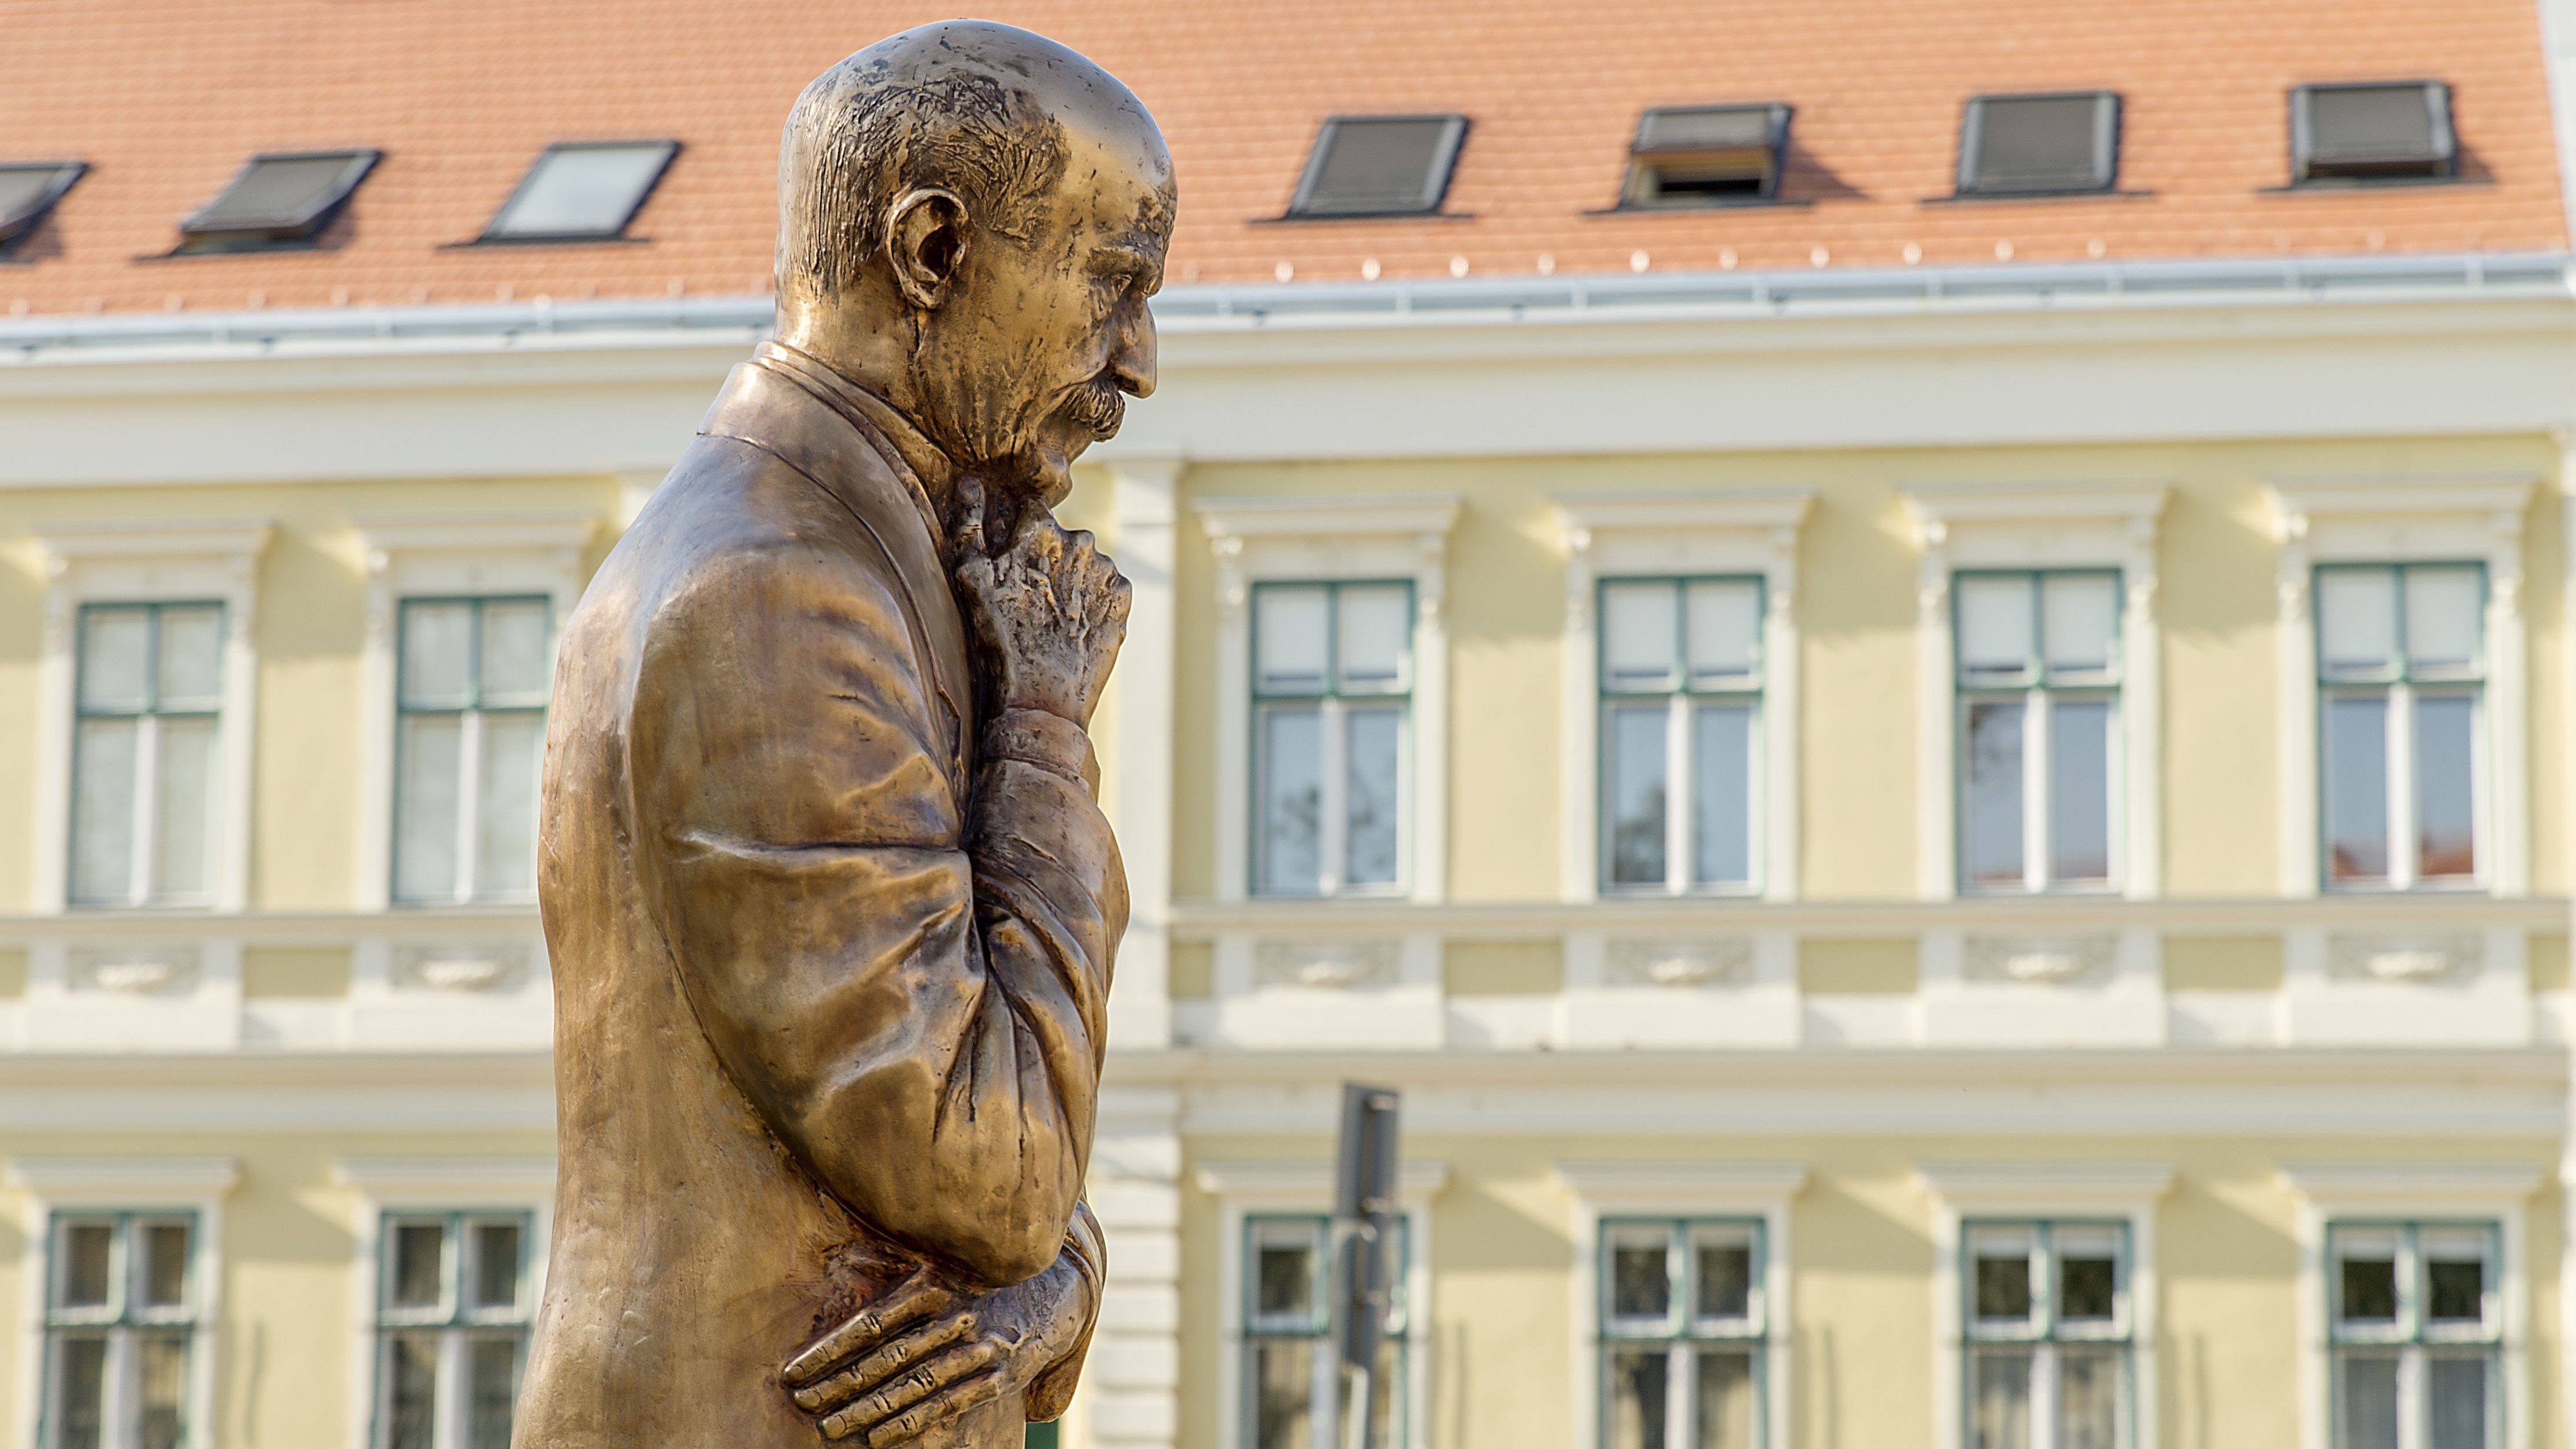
{"points": [[829, 994]]}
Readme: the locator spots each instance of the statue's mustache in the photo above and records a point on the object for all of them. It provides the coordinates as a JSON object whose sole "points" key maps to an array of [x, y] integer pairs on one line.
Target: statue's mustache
{"points": [[1097, 405]]}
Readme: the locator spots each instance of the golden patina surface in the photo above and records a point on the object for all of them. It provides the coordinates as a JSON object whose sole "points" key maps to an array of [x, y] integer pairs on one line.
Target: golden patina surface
{"points": [[830, 899]]}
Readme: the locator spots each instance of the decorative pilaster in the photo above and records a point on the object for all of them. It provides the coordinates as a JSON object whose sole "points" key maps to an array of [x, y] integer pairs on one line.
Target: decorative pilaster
{"points": [[1140, 803]]}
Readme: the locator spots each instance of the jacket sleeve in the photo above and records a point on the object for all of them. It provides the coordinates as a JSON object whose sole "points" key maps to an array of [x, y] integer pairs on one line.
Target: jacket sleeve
{"points": [[912, 994]]}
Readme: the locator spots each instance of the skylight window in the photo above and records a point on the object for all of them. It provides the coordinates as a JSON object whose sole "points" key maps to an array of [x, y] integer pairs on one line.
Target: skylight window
{"points": [[2040, 145], [1706, 155], [582, 191], [1379, 166], [277, 201], [2398, 131], [28, 190]]}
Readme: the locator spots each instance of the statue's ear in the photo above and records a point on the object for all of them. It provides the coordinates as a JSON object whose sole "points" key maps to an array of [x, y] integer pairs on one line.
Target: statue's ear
{"points": [[925, 242]]}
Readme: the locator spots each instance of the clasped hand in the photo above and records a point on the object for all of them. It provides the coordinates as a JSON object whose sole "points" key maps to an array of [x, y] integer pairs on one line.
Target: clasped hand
{"points": [[926, 1353]]}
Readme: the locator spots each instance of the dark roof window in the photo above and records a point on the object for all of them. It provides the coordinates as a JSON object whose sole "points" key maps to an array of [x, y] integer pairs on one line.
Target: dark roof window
{"points": [[1379, 166], [277, 201], [582, 191], [1706, 155], [2396, 131], [2040, 145], [28, 190]]}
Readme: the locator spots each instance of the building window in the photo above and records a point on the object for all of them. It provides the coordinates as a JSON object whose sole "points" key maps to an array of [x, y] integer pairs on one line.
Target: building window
{"points": [[1293, 1395], [2039, 729], [1332, 675], [2049, 1335], [1379, 166], [2416, 1329], [453, 1302], [2400, 670], [1683, 1333], [471, 729], [120, 1331], [1706, 155], [1681, 746], [147, 788], [2372, 132], [2039, 145]]}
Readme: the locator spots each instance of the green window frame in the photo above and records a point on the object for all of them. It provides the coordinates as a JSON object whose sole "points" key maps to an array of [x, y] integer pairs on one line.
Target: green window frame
{"points": [[2416, 1332], [1684, 1330], [472, 675], [1332, 720], [455, 1295], [1680, 679], [2402, 749], [2050, 1325], [122, 1323], [1293, 1396], [147, 771], [2040, 770]]}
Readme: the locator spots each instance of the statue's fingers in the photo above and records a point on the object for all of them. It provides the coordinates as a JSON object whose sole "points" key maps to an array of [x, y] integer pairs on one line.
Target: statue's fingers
{"points": [[938, 1409], [957, 1365], [905, 1350], [916, 1299], [968, 508]]}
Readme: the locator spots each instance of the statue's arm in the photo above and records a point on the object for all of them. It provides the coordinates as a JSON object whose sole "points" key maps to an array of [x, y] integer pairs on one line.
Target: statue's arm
{"points": [[911, 994]]}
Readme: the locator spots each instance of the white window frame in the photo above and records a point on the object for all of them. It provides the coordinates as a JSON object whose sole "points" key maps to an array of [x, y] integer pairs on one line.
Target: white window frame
{"points": [[1332, 704], [2397, 698], [1334, 540], [1966, 1193], [1761, 1191], [1742, 532], [2446, 519], [2045, 1344], [2038, 528], [379, 1186], [193, 1185], [2332, 1193], [2037, 699], [208, 561], [1246, 1190], [422, 556]]}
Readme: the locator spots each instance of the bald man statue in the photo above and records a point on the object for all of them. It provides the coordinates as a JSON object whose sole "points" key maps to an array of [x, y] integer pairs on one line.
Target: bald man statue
{"points": [[830, 899]]}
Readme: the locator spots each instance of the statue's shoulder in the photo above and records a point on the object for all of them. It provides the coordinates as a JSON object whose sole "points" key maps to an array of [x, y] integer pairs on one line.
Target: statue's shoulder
{"points": [[734, 514]]}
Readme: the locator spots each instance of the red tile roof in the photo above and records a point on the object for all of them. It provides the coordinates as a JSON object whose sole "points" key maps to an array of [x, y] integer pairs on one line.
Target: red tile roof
{"points": [[165, 98]]}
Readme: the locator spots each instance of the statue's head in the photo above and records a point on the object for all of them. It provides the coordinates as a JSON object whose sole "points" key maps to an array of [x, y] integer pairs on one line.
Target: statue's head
{"points": [[970, 220]]}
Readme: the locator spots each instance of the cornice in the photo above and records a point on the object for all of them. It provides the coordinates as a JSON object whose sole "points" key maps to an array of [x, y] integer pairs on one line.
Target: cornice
{"points": [[2029, 1185]]}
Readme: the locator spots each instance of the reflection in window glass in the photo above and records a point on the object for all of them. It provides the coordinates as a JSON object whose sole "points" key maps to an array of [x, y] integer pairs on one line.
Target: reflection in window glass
{"points": [[2400, 653], [2038, 729], [1680, 731], [1993, 824], [1332, 668]]}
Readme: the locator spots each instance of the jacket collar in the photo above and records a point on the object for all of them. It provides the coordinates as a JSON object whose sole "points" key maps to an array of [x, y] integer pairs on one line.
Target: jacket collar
{"points": [[925, 470]]}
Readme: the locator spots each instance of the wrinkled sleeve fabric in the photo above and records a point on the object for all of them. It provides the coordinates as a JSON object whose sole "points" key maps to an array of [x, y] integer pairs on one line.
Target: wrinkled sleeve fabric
{"points": [[912, 991]]}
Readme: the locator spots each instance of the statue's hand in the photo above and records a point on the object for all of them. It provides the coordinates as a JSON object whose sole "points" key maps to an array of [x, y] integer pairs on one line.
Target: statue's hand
{"points": [[1051, 610], [923, 1354]]}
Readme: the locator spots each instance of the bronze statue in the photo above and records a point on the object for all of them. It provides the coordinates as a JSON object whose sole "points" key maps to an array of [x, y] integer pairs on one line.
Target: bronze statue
{"points": [[830, 899]]}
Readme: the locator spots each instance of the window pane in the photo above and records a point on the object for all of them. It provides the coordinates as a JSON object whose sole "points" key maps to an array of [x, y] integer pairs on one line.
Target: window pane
{"points": [[1637, 643], [1994, 626], [1637, 1387], [2455, 1275], [1726, 1416], [2366, 1279], [191, 658], [2357, 620], [103, 809], [2088, 1275], [1725, 1279], [1375, 805], [432, 749], [2003, 1286], [437, 655], [505, 818], [2357, 788], [2088, 1397], [1283, 1374], [1292, 800], [116, 659], [1637, 793], [79, 1407], [496, 1265], [411, 1391], [415, 1278], [2079, 615], [2079, 790], [1992, 826], [493, 1366], [163, 1283], [514, 652], [185, 791], [1373, 627], [1283, 1279], [1641, 1280], [1999, 1398], [1724, 630], [1722, 779], [88, 1248], [1288, 627], [2442, 618], [2366, 1401], [161, 1391], [2457, 1386], [2446, 826]]}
